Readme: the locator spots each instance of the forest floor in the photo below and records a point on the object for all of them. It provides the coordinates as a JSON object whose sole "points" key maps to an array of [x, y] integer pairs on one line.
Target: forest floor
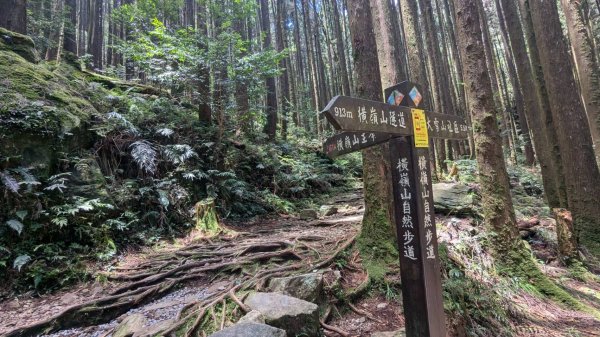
{"points": [[251, 252]]}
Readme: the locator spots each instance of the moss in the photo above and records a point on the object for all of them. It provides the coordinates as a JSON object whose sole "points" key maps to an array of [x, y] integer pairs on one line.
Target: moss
{"points": [[519, 264], [377, 246], [44, 109], [18, 43]]}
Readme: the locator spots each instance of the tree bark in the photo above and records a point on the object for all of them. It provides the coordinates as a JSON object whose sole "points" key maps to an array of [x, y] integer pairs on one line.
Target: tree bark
{"points": [[271, 125], [340, 49], [588, 67], [284, 86], [70, 44], [567, 243], [508, 12], [387, 44], [496, 199], [56, 31], [574, 140], [96, 33], [13, 15], [376, 239]]}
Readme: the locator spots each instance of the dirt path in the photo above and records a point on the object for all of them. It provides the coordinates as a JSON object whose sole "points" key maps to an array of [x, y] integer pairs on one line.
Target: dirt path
{"points": [[165, 284], [214, 266]]}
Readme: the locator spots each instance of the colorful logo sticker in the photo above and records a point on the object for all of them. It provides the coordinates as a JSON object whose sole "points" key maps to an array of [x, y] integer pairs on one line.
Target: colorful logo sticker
{"points": [[415, 95], [395, 98]]}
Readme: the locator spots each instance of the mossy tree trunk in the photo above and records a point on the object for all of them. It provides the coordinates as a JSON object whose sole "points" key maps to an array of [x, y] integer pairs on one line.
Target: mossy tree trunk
{"points": [[206, 217], [495, 190], [567, 244], [377, 240], [581, 172], [510, 253], [588, 66]]}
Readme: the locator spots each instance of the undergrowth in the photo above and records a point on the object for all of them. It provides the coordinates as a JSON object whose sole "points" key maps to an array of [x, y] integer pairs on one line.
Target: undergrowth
{"points": [[149, 161]]}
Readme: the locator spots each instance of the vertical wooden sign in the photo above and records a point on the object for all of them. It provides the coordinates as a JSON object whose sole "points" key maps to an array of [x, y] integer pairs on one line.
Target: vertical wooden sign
{"points": [[415, 224]]}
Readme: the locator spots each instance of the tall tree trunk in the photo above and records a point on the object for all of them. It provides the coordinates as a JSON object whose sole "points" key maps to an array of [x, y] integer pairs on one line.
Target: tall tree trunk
{"points": [[96, 33], [284, 86], [544, 101], [376, 238], [588, 67], [271, 124], [496, 199], [340, 49], [508, 12], [56, 31], [575, 143], [13, 15], [387, 44], [70, 44], [518, 90]]}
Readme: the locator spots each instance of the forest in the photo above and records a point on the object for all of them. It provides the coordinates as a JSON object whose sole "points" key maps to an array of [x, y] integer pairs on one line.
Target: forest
{"points": [[385, 168]]}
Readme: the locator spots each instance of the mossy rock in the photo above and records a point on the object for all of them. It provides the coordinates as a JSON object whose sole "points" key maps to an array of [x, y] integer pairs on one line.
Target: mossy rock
{"points": [[44, 108], [20, 44]]}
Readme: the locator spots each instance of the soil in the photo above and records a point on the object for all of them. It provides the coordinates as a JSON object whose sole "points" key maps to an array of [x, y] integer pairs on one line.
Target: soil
{"points": [[376, 310]]}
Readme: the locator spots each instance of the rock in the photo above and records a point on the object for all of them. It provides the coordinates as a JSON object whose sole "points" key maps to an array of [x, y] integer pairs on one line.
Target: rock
{"points": [[155, 329], [297, 317], [328, 210], [397, 333], [253, 316], [382, 305], [130, 325], [308, 287], [250, 330], [88, 180], [454, 199], [20, 44], [308, 214]]}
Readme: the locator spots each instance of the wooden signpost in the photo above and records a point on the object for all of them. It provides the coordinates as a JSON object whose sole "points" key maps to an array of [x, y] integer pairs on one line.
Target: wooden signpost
{"points": [[408, 129]]}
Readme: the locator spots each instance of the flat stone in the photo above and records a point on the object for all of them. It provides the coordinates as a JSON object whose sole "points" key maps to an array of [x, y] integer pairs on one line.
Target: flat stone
{"points": [[253, 316], [130, 325], [297, 317], [397, 333], [454, 199], [309, 214], [308, 287], [250, 330], [382, 305], [153, 330]]}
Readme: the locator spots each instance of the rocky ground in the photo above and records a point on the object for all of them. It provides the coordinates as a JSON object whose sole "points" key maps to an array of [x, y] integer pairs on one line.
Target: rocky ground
{"points": [[165, 288]]}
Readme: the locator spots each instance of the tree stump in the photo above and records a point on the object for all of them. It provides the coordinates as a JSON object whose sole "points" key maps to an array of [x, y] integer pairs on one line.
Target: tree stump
{"points": [[206, 217], [567, 241]]}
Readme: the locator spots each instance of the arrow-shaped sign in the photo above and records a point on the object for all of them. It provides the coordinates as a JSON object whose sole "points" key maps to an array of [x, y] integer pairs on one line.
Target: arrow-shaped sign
{"points": [[360, 115], [347, 142]]}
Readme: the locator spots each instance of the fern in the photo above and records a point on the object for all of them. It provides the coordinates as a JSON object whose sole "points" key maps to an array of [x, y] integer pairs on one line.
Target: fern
{"points": [[9, 182], [179, 153], [166, 132], [20, 261], [122, 121], [144, 155], [16, 225], [58, 182], [28, 178]]}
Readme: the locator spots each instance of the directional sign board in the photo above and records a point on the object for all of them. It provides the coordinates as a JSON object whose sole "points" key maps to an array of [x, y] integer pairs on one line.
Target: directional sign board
{"points": [[355, 114], [404, 123], [347, 142]]}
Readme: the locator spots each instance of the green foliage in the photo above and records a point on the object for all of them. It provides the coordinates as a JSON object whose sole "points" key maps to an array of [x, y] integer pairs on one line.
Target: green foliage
{"points": [[473, 304]]}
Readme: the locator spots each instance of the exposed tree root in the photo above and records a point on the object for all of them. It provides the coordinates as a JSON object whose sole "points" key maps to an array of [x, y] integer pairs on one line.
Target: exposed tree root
{"points": [[253, 260]]}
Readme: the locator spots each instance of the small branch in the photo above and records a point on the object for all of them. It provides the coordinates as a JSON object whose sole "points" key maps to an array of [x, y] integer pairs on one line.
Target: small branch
{"points": [[364, 313], [244, 307], [334, 329]]}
